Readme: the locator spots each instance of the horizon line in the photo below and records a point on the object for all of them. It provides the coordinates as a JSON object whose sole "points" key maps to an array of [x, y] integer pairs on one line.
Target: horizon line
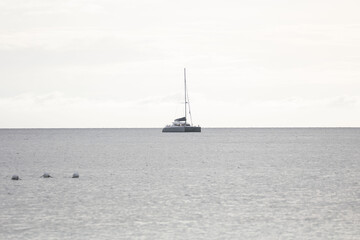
{"points": [[264, 127]]}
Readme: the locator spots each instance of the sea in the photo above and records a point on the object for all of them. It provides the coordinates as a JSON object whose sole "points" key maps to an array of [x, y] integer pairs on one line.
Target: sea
{"points": [[225, 183]]}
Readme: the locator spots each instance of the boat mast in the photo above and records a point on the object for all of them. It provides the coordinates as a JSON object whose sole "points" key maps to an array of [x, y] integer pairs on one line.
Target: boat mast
{"points": [[185, 92]]}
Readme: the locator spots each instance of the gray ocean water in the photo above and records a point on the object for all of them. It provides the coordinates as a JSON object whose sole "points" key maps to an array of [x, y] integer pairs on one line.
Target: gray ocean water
{"points": [[144, 184]]}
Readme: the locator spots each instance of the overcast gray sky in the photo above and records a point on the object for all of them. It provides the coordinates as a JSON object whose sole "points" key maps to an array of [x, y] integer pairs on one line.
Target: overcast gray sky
{"points": [[113, 63]]}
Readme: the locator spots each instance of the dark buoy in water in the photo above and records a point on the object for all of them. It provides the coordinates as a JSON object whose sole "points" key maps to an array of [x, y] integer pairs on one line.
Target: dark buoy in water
{"points": [[46, 175], [75, 175], [15, 177]]}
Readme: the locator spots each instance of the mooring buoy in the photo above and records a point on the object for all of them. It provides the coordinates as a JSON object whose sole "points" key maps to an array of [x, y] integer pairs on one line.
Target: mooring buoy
{"points": [[15, 177], [75, 175], [46, 175]]}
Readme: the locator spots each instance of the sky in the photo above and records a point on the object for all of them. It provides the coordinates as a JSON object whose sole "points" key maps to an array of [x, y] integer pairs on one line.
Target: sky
{"points": [[114, 63]]}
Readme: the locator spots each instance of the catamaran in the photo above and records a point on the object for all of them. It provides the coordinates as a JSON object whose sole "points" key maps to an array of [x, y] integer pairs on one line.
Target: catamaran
{"points": [[181, 124]]}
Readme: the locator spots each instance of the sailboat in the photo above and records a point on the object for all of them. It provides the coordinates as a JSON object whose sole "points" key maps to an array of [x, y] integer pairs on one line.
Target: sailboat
{"points": [[181, 124]]}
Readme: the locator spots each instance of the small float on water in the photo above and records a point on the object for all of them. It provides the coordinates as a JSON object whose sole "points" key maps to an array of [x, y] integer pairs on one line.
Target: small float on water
{"points": [[75, 175], [15, 177], [46, 175]]}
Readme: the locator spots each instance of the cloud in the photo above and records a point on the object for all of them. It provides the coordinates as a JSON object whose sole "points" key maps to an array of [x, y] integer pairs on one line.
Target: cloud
{"points": [[54, 7], [169, 99], [58, 110], [296, 103], [247, 59], [54, 100], [59, 101], [60, 39]]}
